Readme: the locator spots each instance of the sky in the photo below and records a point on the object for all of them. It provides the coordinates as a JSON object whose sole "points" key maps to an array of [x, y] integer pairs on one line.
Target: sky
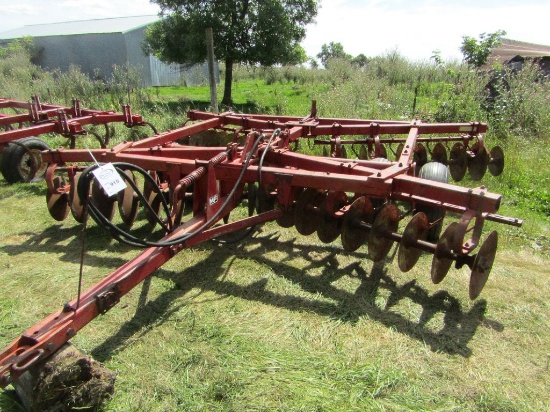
{"points": [[415, 29]]}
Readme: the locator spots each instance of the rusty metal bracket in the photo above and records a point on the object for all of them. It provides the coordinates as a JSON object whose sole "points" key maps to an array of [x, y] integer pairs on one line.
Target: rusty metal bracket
{"points": [[108, 299]]}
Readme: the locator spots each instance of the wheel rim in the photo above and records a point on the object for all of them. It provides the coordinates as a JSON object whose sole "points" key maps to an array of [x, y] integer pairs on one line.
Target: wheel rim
{"points": [[25, 165]]}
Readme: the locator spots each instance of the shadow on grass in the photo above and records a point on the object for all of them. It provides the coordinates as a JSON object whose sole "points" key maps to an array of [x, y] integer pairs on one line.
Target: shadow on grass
{"points": [[182, 106], [459, 326], [22, 189], [67, 243]]}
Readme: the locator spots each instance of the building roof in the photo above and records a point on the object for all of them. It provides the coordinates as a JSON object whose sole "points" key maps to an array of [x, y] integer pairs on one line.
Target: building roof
{"points": [[509, 49], [111, 25]]}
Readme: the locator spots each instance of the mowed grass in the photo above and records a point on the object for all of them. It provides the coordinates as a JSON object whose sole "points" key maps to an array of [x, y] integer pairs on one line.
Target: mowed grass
{"points": [[282, 322], [249, 96]]}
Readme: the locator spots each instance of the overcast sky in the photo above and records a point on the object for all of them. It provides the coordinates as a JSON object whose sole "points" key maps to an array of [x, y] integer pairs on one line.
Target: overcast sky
{"points": [[372, 27]]}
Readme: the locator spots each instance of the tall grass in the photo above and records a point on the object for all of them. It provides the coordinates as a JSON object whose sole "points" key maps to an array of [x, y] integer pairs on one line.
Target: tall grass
{"points": [[388, 87], [520, 106]]}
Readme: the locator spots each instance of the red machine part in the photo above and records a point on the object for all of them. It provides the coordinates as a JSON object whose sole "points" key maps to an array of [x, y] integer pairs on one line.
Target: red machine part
{"points": [[353, 198], [67, 121], [18, 132]]}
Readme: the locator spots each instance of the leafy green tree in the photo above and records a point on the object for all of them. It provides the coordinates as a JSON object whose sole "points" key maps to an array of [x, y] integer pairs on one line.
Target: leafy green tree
{"points": [[265, 32], [313, 63], [476, 52], [436, 57], [360, 60], [332, 51]]}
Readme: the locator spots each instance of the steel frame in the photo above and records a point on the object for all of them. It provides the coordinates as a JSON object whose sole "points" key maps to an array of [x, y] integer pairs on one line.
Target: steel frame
{"points": [[43, 118]]}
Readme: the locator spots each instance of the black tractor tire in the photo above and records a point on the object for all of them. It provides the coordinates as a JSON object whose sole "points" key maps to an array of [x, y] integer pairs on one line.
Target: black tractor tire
{"points": [[17, 163], [437, 172]]}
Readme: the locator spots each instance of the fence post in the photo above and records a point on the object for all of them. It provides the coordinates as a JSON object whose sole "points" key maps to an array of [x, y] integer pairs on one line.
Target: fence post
{"points": [[211, 74]]}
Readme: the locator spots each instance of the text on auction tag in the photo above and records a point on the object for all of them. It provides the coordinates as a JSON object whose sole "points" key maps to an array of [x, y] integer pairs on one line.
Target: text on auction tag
{"points": [[109, 179]]}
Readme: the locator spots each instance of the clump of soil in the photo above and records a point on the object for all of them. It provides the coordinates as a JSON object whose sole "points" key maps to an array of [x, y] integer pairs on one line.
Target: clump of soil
{"points": [[70, 381]]}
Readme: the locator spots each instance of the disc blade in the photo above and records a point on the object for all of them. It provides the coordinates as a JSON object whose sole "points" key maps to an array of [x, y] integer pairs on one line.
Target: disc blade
{"points": [[343, 152], [379, 242], [128, 202], [363, 152], [458, 162], [306, 218], [379, 152], [496, 163], [252, 191], [442, 259], [102, 202], [420, 156], [353, 236], [58, 203], [287, 218], [483, 264], [330, 227], [439, 153], [153, 199], [477, 165], [75, 203], [417, 229], [399, 150]]}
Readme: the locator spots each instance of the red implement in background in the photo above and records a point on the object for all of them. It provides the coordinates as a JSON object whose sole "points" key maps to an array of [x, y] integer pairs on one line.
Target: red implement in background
{"points": [[21, 147]]}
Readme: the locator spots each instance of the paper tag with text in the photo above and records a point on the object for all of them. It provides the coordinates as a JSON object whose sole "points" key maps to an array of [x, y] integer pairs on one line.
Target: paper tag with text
{"points": [[109, 179]]}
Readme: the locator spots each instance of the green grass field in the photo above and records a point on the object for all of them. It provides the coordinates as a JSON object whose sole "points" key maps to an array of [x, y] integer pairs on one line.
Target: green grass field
{"points": [[283, 322]]}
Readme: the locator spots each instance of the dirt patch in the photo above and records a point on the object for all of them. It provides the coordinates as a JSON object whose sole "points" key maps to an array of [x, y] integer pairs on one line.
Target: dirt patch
{"points": [[68, 381]]}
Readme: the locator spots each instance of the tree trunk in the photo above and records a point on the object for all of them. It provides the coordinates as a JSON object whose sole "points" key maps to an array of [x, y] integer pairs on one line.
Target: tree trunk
{"points": [[228, 82]]}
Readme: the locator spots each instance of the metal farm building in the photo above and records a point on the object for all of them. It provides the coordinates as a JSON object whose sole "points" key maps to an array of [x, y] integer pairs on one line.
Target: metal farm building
{"points": [[97, 45]]}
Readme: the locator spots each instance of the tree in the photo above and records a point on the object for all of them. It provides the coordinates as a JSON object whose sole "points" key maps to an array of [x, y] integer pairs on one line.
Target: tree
{"points": [[360, 60], [265, 32], [436, 57], [477, 52], [332, 51]]}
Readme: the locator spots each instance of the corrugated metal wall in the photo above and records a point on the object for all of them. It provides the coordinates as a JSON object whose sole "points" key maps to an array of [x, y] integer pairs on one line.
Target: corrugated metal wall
{"points": [[98, 53], [136, 58], [90, 52], [163, 74]]}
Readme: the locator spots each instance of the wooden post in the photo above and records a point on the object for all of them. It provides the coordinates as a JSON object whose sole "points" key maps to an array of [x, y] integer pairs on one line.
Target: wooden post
{"points": [[211, 72]]}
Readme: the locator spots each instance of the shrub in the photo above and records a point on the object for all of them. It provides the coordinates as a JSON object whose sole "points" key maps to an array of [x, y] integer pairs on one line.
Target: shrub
{"points": [[520, 103]]}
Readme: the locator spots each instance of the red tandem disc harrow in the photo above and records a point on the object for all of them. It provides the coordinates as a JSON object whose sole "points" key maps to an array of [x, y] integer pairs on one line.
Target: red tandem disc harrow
{"points": [[394, 191]]}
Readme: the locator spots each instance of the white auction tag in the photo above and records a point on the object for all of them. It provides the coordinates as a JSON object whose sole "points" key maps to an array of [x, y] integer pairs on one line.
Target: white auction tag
{"points": [[109, 179]]}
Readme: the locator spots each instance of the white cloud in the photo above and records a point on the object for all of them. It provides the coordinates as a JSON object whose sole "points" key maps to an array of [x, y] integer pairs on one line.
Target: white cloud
{"points": [[371, 27], [18, 9], [416, 29], [25, 12]]}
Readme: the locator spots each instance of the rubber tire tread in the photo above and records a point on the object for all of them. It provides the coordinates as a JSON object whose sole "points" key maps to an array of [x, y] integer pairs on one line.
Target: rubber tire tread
{"points": [[13, 155], [437, 172]]}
